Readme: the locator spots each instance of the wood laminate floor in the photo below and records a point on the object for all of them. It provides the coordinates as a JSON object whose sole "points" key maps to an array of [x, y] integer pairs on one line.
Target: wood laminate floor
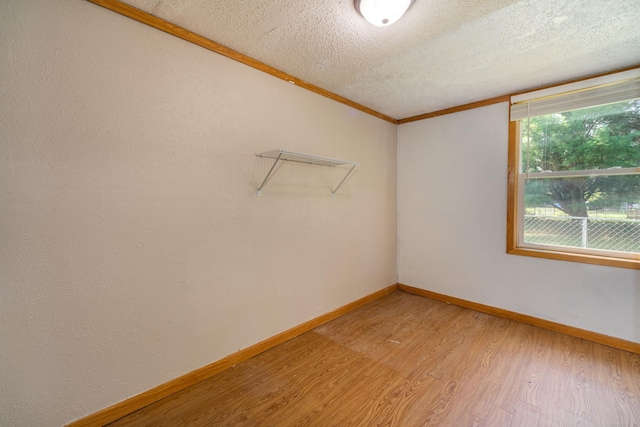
{"points": [[407, 360]]}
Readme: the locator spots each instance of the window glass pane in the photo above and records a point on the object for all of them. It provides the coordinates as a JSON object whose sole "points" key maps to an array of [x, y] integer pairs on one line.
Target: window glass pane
{"points": [[576, 190], [602, 137], [600, 212]]}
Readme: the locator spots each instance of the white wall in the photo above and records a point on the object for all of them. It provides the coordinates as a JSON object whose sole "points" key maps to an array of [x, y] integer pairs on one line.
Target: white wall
{"points": [[452, 198], [133, 246]]}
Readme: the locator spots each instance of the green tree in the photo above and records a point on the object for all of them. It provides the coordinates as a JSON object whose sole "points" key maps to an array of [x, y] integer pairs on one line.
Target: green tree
{"points": [[594, 138]]}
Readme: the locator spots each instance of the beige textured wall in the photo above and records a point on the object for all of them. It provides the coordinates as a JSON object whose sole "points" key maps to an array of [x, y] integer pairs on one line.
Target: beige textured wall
{"points": [[133, 246]]}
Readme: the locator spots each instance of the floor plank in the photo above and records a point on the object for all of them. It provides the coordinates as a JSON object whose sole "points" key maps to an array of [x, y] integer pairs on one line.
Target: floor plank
{"points": [[407, 360]]}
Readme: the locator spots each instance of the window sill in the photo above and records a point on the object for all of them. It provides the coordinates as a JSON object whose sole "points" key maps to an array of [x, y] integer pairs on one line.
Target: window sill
{"points": [[574, 257]]}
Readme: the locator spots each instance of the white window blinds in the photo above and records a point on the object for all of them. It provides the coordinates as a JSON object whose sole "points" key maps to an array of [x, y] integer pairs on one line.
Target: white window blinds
{"points": [[587, 93]]}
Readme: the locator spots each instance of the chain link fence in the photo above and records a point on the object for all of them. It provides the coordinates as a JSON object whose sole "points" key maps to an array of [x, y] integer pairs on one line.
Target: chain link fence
{"points": [[592, 233]]}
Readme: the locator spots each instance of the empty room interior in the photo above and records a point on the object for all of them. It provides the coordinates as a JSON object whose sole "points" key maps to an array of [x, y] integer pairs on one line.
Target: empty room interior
{"points": [[285, 213]]}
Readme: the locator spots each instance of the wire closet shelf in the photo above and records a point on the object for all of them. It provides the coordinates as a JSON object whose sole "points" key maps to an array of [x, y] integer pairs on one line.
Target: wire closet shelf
{"points": [[292, 156]]}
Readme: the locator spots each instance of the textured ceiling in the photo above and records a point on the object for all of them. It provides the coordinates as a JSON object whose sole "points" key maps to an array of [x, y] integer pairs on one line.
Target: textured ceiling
{"points": [[441, 54]]}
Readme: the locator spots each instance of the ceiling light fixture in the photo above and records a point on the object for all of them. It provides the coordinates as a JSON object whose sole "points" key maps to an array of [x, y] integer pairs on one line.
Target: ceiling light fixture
{"points": [[382, 12]]}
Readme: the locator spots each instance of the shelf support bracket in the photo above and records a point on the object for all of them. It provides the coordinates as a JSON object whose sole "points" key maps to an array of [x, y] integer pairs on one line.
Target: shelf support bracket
{"points": [[333, 193], [268, 174]]}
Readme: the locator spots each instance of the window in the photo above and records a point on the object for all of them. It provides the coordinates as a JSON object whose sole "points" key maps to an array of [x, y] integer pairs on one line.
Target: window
{"points": [[574, 172]]}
